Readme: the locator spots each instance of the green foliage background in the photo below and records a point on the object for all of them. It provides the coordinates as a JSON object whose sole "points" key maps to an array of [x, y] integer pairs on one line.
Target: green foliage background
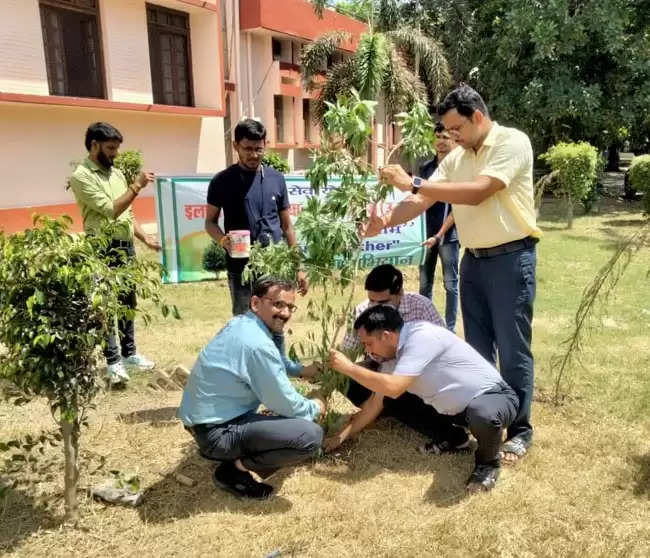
{"points": [[276, 161]]}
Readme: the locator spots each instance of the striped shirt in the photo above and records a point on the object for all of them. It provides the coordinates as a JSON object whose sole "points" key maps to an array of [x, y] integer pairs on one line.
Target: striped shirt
{"points": [[412, 307]]}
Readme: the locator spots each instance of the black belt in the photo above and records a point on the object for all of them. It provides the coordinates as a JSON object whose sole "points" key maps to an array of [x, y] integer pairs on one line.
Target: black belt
{"points": [[506, 248]]}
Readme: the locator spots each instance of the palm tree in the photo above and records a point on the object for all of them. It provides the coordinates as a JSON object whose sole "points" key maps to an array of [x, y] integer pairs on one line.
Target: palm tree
{"points": [[400, 64]]}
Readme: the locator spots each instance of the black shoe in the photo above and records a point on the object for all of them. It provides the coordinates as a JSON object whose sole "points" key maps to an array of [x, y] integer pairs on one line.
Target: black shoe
{"points": [[240, 483], [483, 478]]}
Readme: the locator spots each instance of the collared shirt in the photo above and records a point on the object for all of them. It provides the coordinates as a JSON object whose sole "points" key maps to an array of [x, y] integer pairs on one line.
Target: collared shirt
{"points": [[507, 215], [412, 307], [237, 371], [95, 189], [449, 372]]}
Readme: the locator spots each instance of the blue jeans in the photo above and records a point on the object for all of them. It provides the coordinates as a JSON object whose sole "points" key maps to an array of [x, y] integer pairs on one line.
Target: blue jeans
{"points": [[496, 297], [448, 253]]}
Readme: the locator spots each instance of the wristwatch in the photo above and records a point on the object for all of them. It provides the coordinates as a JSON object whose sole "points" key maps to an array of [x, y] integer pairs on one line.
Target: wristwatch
{"points": [[416, 184]]}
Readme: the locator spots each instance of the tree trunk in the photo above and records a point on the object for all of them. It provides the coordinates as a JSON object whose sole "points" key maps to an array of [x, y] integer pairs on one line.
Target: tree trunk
{"points": [[613, 158], [70, 432], [569, 210]]}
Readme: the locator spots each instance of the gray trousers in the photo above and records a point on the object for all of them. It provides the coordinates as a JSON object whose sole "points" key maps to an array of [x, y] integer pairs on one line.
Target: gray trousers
{"points": [[263, 443]]}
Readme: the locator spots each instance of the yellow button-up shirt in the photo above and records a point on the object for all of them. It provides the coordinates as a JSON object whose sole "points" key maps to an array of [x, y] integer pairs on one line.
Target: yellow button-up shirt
{"points": [[507, 215], [95, 189]]}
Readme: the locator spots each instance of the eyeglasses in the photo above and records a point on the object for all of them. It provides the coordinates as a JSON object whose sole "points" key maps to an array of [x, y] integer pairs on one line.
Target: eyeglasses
{"points": [[454, 131], [279, 305]]}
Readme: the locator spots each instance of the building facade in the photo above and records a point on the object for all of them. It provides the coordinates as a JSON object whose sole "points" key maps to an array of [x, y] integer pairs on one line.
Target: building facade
{"points": [[174, 76]]}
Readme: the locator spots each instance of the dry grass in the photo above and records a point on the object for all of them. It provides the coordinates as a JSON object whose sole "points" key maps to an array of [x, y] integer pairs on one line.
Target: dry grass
{"points": [[584, 490]]}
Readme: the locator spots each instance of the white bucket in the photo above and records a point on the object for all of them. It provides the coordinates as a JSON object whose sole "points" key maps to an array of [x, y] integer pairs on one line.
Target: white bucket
{"points": [[240, 244]]}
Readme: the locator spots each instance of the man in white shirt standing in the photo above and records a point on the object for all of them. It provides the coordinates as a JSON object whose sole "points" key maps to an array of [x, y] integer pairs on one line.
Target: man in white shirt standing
{"points": [[442, 370]]}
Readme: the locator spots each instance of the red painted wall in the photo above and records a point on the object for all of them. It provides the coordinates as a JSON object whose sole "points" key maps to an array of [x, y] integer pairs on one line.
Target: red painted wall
{"points": [[297, 18]]}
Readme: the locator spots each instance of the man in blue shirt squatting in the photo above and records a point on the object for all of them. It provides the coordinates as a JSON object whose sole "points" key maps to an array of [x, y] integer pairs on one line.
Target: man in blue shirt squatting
{"points": [[237, 371], [429, 361]]}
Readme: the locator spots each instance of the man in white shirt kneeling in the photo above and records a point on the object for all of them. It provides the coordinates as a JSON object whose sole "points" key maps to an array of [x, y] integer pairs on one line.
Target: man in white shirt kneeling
{"points": [[441, 369]]}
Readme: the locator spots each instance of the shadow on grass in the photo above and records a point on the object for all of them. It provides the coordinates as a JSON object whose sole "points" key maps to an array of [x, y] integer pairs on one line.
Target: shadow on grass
{"points": [[623, 222], [554, 211], [642, 487], [164, 416], [167, 500], [391, 446], [20, 517]]}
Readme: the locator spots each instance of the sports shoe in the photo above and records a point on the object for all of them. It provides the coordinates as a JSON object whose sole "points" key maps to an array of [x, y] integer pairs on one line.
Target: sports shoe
{"points": [[138, 362], [116, 374], [240, 483], [483, 478]]}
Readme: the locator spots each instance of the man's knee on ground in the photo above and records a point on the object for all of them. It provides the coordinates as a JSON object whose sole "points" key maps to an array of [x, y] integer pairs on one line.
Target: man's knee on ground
{"points": [[311, 437], [482, 416]]}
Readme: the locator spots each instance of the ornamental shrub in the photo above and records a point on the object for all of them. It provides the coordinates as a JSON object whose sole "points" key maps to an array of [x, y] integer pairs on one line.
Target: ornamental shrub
{"points": [[639, 177], [577, 169], [214, 258]]}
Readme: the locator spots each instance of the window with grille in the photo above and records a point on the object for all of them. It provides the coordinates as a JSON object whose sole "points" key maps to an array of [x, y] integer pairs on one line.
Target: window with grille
{"points": [[170, 56], [72, 44]]}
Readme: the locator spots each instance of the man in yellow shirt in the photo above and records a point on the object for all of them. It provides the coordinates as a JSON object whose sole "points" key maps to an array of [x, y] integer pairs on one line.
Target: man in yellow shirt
{"points": [[489, 180], [103, 196]]}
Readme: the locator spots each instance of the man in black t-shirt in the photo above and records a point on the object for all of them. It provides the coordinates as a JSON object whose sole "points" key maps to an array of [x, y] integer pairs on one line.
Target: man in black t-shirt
{"points": [[254, 198], [442, 239]]}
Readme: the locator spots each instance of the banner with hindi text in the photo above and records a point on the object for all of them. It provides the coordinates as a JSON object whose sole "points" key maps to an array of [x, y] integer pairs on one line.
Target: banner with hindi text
{"points": [[181, 211]]}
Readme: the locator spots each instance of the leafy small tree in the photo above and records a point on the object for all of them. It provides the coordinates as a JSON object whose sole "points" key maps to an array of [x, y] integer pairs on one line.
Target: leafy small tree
{"points": [[639, 176], [130, 163], [576, 165], [58, 302], [328, 226], [276, 161]]}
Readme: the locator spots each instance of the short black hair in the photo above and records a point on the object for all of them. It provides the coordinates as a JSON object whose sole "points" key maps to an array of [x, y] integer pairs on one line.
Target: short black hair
{"points": [[102, 131], [379, 318], [440, 128], [465, 100], [384, 277], [250, 129], [263, 284]]}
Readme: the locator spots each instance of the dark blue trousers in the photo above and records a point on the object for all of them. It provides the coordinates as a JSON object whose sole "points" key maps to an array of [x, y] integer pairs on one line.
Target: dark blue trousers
{"points": [[496, 297]]}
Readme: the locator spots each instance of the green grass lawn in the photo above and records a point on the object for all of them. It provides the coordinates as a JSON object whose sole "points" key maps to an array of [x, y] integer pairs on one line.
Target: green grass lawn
{"points": [[584, 490]]}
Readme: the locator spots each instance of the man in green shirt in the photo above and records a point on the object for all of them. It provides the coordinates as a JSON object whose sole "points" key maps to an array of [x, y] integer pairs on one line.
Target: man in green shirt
{"points": [[104, 196]]}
